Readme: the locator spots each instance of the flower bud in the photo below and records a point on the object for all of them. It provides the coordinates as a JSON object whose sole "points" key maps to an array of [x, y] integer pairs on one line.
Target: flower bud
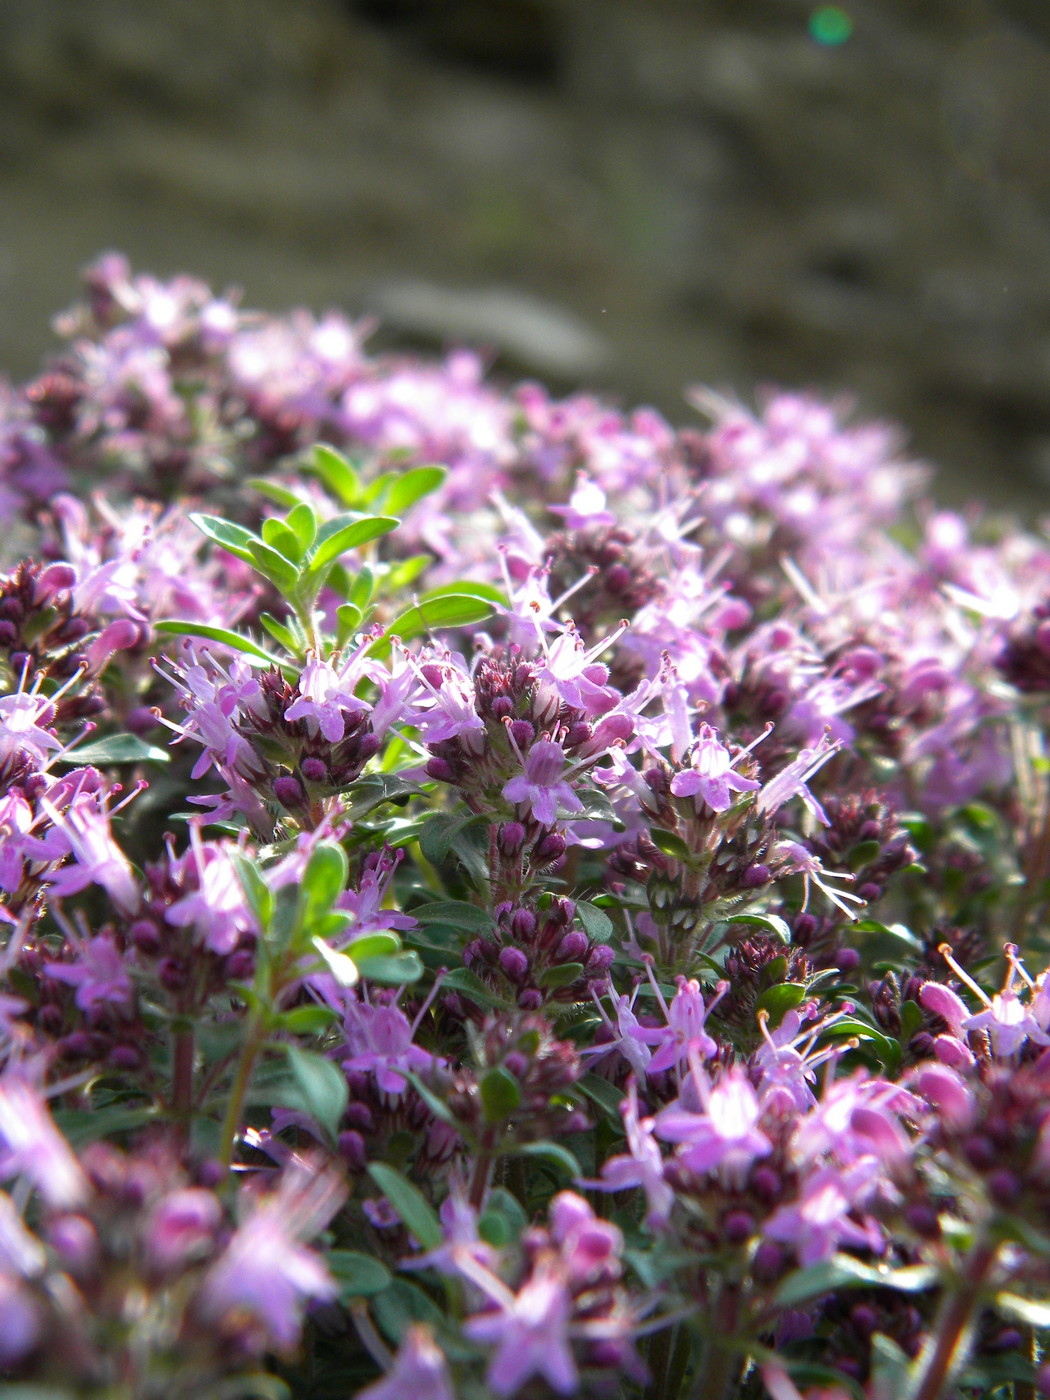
{"points": [[514, 964]]}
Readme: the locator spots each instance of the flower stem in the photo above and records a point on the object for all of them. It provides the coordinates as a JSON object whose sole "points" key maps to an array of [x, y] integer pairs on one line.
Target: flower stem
{"points": [[182, 1081], [950, 1347], [239, 1089]]}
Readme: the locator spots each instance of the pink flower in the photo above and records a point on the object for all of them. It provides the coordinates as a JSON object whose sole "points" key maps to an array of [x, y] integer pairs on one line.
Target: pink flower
{"points": [[419, 1372], [725, 1136], [542, 787], [529, 1331], [265, 1273], [711, 779]]}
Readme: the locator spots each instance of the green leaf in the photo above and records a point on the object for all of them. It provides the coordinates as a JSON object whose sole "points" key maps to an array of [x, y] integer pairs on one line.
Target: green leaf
{"points": [[461, 979], [401, 1305], [464, 587], [117, 748], [554, 1154], [1033, 1312], [605, 1095], [306, 1020], [302, 522], [258, 892], [281, 633], [780, 999], [336, 472], [436, 838], [437, 1106], [361, 589], [235, 539], [772, 923], [596, 922], [840, 1271], [392, 971], [451, 610], [277, 535], [373, 945], [273, 491], [320, 1088], [454, 913], [561, 975], [281, 572], [888, 1051], [670, 843], [358, 1275], [410, 487], [323, 880], [332, 542], [416, 1212], [500, 1094], [177, 627]]}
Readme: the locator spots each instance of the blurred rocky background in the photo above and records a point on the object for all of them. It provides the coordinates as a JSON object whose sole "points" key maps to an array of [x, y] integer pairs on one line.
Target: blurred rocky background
{"points": [[634, 195]]}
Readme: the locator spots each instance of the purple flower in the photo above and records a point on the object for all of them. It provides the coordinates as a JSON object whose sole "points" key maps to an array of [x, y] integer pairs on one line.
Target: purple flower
{"points": [[265, 1273], [725, 1136], [420, 1371], [711, 780], [99, 974], [820, 1220], [181, 1227], [642, 1165], [380, 1042], [31, 1147], [543, 784], [325, 698], [529, 1331]]}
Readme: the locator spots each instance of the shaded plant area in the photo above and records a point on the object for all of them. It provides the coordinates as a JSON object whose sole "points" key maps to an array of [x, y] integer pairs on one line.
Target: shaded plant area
{"points": [[502, 895]]}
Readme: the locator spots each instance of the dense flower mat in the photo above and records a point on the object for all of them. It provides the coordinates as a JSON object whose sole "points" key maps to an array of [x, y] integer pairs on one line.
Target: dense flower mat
{"points": [[504, 897]]}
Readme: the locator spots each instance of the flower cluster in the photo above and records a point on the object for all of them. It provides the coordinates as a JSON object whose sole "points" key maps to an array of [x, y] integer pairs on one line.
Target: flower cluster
{"points": [[500, 895]]}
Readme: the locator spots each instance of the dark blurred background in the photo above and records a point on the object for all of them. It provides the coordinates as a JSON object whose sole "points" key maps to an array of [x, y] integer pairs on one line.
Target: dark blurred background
{"points": [[633, 195]]}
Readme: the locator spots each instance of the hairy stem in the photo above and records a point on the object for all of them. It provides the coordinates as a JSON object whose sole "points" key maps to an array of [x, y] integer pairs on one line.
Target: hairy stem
{"points": [[253, 1041], [182, 1081], [950, 1345]]}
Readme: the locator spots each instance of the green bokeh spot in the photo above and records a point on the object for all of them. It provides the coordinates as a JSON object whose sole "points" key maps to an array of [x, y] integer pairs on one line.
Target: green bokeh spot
{"points": [[830, 25]]}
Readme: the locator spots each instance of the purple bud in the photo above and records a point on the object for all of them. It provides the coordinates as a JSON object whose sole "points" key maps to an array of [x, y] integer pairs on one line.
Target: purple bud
{"points": [[173, 974], [572, 947], [522, 733], [19, 1323], [865, 1319], [314, 770], [145, 936], [766, 1183], [352, 1149], [768, 1263], [74, 1240], [738, 1226], [1004, 1187], [550, 849], [441, 770], [847, 959], [288, 791], [601, 959], [359, 1115], [239, 965], [517, 1064], [869, 892], [531, 999], [511, 838], [56, 578], [617, 579], [523, 925], [980, 1151], [514, 964], [502, 706], [755, 876], [923, 1220], [578, 734], [141, 721], [8, 632], [127, 1057]]}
